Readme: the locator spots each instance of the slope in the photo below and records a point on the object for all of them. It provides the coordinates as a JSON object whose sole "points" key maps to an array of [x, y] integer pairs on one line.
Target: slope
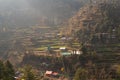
{"points": [[95, 19]]}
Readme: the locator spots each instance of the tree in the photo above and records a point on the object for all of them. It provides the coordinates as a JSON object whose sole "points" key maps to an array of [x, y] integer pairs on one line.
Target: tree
{"points": [[28, 73], [1, 70], [118, 71], [81, 74], [9, 72], [84, 49]]}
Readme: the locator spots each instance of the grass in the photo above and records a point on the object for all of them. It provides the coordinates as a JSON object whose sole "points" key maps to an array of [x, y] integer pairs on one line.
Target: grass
{"points": [[104, 49], [54, 43], [41, 48], [115, 45], [76, 44], [56, 47]]}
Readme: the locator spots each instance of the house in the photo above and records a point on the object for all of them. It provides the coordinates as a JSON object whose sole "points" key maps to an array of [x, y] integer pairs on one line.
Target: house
{"points": [[63, 49], [65, 53], [51, 74], [48, 73], [76, 52]]}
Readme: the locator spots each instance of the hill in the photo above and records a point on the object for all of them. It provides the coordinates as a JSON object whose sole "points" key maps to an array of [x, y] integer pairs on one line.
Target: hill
{"points": [[94, 20], [21, 22]]}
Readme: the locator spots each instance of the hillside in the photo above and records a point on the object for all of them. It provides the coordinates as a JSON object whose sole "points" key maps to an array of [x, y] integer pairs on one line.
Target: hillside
{"points": [[95, 19], [23, 23]]}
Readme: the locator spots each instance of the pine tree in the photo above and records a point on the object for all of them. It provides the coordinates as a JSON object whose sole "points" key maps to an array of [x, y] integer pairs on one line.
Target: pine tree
{"points": [[9, 71]]}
